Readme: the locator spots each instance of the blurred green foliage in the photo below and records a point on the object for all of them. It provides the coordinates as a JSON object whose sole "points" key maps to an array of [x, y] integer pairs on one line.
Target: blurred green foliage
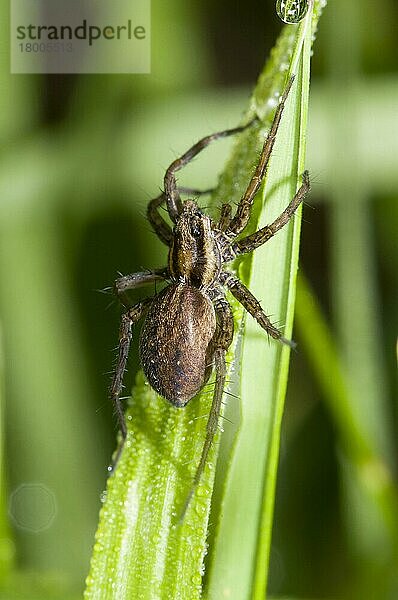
{"points": [[80, 157]]}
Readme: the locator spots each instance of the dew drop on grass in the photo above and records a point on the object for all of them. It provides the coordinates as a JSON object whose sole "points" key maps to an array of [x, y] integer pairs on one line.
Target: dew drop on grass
{"points": [[200, 508], [292, 11], [196, 579], [202, 490]]}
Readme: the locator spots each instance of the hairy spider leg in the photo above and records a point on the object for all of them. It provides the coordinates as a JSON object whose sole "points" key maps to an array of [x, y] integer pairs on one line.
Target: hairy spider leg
{"points": [[250, 243], [242, 215], [159, 225], [135, 280], [129, 318], [256, 239], [222, 341], [253, 306], [173, 200], [225, 216]]}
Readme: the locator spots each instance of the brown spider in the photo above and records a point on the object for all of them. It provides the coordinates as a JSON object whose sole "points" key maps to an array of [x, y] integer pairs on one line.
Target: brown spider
{"points": [[189, 325]]}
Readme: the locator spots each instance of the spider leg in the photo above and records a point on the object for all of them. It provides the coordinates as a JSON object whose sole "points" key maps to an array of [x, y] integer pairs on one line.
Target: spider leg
{"points": [[225, 217], [174, 204], [252, 305], [241, 218], [256, 239], [130, 317], [135, 280], [222, 341], [159, 225]]}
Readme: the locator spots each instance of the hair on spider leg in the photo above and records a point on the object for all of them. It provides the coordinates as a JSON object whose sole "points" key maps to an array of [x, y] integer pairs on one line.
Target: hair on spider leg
{"points": [[110, 304], [224, 418], [106, 290], [186, 463], [308, 205], [113, 350], [213, 383], [232, 395], [199, 417], [278, 323], [307, 221], [318, 177], [101, 408], [107, 373]]}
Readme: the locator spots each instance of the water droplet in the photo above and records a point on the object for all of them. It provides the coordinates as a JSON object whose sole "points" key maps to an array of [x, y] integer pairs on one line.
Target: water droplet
{"points": [[202, 491], [200, 508], [196, 579], [292, 11], [272, 103]]}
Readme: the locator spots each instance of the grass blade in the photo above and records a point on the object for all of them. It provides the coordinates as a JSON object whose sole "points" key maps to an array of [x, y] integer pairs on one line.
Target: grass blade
{"points": [[243, 541], [360, 459]]}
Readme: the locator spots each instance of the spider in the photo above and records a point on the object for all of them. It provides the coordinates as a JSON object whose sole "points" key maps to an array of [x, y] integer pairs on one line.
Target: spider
{"points": [[189, 326]]}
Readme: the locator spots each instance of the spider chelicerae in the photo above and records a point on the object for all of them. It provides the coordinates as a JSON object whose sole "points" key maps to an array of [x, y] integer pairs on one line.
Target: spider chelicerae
{"points": [[189, 325]]}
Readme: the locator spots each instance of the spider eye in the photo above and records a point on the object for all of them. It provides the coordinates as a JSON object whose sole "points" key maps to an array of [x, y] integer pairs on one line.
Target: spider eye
{"points": [[195, 230]]}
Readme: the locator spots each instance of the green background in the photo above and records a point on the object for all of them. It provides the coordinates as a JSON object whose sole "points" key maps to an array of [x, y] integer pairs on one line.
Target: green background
{"points": [[80, 158]]}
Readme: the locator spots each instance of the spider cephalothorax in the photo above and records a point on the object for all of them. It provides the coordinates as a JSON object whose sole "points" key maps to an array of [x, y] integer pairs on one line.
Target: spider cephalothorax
{"points": [[188, 326], [194, 255]]}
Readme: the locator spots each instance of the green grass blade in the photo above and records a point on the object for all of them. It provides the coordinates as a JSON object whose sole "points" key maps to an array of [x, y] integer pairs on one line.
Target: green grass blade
{"points": [[297, 165], [360, 458], [372, 470], [355, 286], [141, 551], [242, 547]]}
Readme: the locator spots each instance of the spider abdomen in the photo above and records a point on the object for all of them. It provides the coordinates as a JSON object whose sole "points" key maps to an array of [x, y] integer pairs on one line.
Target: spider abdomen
{"points": [[176, 342]]}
